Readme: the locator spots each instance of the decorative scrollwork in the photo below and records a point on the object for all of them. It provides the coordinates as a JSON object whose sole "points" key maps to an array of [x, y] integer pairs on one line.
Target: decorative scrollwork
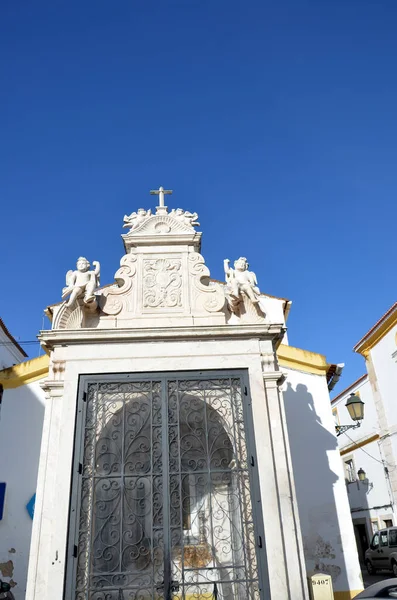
{"points": [[111, 300], [208, 295], [162, 282]]}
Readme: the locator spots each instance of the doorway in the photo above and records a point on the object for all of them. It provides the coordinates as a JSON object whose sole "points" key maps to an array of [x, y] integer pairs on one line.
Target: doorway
{"points": [[165, 501], [362, 541]]}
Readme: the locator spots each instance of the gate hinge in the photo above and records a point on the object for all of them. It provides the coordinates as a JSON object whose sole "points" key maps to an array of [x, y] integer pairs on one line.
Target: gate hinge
{"points": [[80, 468], [75, 551], [84, 396], [245, 391], [252, 461], [260, 541]]}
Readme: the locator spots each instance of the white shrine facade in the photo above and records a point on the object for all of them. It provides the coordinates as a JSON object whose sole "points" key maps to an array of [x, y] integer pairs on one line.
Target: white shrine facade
{"points": [[165, 467]]}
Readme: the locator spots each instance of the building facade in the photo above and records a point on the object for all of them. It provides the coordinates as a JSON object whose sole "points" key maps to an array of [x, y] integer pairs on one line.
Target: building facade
{"points": [[178, 430], [372, 448]]}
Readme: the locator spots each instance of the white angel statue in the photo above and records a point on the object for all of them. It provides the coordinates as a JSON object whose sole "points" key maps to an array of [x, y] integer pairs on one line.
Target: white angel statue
{"points": [[239, 280], [82, 282], [186, 217], [136, 218]]}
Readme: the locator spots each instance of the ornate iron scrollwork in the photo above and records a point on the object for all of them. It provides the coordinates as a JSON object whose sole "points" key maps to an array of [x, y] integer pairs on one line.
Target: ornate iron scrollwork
{"points": [[165, 501]]}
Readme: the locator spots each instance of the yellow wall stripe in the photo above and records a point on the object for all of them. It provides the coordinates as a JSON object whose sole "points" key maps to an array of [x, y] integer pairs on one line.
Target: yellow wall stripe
{"points": [[346, 595], [356, 445], [302, 360], [25, 372]]}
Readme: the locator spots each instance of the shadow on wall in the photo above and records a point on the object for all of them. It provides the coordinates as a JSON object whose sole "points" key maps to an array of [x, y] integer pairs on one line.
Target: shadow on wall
{"points": [[358, 494], [314, 483], [21, 423]]}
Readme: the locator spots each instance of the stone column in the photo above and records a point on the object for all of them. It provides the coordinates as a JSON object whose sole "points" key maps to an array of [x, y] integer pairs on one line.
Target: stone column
{"points": [[283, 534]]}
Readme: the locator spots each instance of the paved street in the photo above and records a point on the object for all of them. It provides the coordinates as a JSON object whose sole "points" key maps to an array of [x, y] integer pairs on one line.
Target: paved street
{"points": [[371, 579]]}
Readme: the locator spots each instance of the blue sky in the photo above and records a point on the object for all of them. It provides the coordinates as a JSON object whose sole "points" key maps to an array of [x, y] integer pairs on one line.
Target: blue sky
{"points": [[276, 122]]}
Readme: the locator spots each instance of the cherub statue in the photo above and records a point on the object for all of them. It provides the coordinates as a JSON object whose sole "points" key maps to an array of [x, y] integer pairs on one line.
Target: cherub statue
{"points": [[82, 282], [240, 281], [136, 218], [186, 217]]}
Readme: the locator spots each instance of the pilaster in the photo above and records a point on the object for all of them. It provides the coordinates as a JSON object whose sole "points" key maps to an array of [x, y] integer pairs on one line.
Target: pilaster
{"points": [[286, 534], [385, 439], [42, 558]]}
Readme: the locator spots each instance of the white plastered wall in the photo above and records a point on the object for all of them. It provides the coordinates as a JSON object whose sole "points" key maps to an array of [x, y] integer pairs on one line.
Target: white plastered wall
{"points": [[20, 437], [274, 311], [324, 512], [383, 357], [382, 371]]}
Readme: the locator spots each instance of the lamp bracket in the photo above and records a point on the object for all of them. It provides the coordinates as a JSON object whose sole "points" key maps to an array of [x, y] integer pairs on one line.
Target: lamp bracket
{"points": [[343, 428]]}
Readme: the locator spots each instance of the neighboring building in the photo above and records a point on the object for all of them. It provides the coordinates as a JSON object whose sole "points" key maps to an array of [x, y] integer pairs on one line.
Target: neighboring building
{"points": [[373, 446], [21, 421], [21, 424], [370, 499], [11, 352], [178, 438]]}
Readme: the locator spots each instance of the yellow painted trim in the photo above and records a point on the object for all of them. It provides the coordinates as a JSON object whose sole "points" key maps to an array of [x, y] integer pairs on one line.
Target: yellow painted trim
{"points": [[357, 445], [25, 372], [203, 596], [375, 337], [347, 595], [302, 360]]}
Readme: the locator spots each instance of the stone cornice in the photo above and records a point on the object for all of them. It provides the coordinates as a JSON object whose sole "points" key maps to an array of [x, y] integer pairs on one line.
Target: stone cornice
{"points": [[58, 337], [189, 239]]}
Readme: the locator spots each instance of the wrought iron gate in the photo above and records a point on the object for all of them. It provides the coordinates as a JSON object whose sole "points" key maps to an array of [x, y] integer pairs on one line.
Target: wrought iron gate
{"points": [[164, 489]]}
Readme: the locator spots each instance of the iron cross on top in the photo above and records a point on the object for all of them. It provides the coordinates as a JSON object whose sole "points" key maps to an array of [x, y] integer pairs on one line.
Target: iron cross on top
{"points": [[160, 193]]}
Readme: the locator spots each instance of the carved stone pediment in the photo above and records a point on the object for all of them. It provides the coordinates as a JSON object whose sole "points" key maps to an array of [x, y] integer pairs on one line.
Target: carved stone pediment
{"points": [[160, 224], [163, 281], [163, 288], [166, 289], [163, 228]]}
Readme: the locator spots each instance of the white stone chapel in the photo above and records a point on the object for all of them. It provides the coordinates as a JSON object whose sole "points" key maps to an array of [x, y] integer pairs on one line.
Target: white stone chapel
{"points": [[187, 451]]}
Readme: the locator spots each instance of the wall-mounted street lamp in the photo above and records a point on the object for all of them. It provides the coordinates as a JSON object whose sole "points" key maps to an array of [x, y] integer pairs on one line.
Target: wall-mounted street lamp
{"points": [[355, 406], [361, 475]]}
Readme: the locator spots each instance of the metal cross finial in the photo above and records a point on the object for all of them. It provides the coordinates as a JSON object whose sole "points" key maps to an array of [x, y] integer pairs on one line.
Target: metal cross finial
{"points": [[160, 193]]}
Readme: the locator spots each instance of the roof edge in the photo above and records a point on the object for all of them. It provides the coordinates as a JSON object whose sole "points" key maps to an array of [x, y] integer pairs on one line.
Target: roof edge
{"points": [[11, 338], [377, 332], [349, 387]]}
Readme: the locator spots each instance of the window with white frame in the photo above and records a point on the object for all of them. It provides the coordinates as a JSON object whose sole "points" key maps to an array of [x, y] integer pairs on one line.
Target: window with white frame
{"points": [[375, 525], [350, 471]]}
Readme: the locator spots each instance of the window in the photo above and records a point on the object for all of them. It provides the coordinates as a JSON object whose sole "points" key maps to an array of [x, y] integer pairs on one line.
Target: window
{"points": [[393, 537], [375, 526], [350, 471], [384, 538], [375, 541], [388, 522]]}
